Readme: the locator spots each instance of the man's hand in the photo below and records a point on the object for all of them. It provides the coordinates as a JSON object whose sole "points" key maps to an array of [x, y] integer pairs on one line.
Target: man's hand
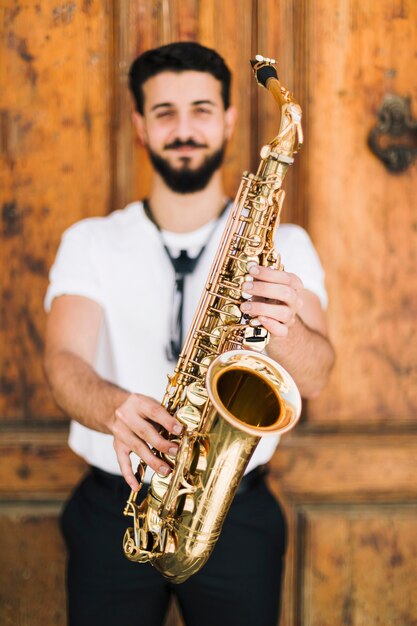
{"points": [[135, 428], [277, 298]]}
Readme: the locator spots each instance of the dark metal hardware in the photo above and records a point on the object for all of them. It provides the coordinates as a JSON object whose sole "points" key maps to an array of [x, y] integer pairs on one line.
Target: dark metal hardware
{"points": [[394, 138]]}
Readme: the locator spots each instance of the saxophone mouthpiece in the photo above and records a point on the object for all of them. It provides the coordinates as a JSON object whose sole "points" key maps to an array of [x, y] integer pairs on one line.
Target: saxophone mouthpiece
{"points": [[263, 69]]}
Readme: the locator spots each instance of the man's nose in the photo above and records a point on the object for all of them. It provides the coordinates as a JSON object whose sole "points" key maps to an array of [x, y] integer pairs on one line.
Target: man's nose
{"points": [[184, 129]]}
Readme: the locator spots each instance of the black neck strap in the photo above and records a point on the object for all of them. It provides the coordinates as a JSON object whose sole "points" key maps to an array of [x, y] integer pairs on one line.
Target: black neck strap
{"points": [[183, 264]]}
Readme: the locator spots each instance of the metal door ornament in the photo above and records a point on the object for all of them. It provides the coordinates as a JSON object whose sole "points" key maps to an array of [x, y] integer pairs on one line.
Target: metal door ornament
{"points": [[394, 137]]}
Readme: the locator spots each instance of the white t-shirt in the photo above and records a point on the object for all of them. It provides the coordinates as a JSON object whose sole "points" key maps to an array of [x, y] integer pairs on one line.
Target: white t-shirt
{"points": [[119, 262]]}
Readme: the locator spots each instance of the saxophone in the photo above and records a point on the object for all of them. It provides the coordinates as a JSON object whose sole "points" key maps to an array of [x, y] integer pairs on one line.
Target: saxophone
{"points": [[225, 393]]}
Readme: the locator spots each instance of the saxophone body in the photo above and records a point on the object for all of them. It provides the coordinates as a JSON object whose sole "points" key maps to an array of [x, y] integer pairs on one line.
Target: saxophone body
{"points": [[224, 391]]}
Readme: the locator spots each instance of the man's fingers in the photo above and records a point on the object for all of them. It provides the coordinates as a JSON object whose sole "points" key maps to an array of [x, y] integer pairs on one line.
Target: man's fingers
{"points": [[275, 328], [158, 414], [124, 443], [125, 464], [279, 312], [272, 291], [271, 275], [138, 405], [159, 466]]}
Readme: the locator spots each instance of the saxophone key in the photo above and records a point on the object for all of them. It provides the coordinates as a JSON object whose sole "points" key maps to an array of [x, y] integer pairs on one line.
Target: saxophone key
{"points": [[197, 394], [244, 260], [202, 460], [159, 486], [234, 286], [205, 362], [254, 245], [230, 314], [256, 338], [265, 151], [215, 335], [189, 416], [261, 203], [171, 456], [188, 504]]}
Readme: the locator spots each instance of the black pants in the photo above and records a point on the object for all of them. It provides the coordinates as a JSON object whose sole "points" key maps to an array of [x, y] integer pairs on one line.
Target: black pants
{"points": [[238, 586]]}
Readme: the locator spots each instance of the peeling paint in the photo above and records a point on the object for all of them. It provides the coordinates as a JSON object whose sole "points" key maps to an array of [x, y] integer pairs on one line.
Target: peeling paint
{"points": [[64, 13], [87, 4], [7, 386], [23, 472], [20, 45], [11, 219], [87, 119], [33, 333], [10, 15]]}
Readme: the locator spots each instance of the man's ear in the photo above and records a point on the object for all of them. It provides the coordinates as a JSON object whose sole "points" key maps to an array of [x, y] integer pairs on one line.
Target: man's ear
{"points": [[139, 124], [230, 118]]}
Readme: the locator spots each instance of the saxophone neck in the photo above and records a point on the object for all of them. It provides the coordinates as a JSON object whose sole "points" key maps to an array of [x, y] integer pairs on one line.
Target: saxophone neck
{"points": [[290, 134]]}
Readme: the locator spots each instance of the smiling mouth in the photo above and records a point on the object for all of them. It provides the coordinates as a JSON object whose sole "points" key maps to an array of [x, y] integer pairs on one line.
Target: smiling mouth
{"points": [[186, 149], [187, 146]]}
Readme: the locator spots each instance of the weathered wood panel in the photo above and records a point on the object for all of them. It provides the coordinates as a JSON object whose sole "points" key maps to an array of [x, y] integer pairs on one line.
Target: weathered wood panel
{"points": [[307, 469], [346, 468], [54, 169], [361, 217], [278, 38], [37, 465], [32, 566], [67, 151], [358, 566]]}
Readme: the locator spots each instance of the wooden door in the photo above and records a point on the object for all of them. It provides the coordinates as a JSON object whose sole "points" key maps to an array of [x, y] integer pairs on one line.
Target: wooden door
{"points": [[347, 475], [349, 472], [55, 168]]}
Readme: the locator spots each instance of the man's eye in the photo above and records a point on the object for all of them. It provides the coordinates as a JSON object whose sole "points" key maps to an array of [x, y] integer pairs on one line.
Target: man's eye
{"points": [[203, 110], [164, 114]]}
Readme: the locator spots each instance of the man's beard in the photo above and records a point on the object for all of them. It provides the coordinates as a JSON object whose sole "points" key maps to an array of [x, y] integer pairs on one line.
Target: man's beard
{"points": [[186, 180]]}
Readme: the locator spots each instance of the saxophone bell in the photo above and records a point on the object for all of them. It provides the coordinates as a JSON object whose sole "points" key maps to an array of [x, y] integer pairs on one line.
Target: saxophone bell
{"points": [[253, 393]]}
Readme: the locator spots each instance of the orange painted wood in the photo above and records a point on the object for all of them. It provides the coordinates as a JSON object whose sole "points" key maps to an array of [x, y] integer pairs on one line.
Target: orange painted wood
{"points": [[32, 566], [347, 476], [54, 169], [361, 217], [37, 465], [277, 38], [349, 468], [305, 469], [358, 566]]}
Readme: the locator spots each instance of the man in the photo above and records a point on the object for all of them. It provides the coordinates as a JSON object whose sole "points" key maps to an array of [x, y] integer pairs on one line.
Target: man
{"points": [[109, 346]]}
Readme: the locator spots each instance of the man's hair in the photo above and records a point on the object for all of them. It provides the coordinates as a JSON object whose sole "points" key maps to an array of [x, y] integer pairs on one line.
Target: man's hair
{"points": [[181, 56]]}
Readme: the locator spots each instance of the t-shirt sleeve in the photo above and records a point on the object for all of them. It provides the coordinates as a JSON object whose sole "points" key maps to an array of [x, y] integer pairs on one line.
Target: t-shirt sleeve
{"points": [[300, 257], [75, 271]]}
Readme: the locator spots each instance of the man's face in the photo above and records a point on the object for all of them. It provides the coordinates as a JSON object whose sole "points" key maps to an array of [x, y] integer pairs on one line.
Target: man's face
{"points": [[184, 127]]}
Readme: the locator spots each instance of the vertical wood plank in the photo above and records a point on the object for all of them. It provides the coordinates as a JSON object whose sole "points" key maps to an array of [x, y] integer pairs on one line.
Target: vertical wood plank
{"points": [[54, 170], [32, 565], [362, 217], [277, 39], [358, 567]]}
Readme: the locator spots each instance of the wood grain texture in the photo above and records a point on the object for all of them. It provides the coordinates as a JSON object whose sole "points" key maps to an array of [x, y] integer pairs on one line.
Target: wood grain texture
{"points": [[32, 566], [358, 566], [361, 217], [347, 476], [38, 465], [348, 468], [277, 38], [54, 170]]}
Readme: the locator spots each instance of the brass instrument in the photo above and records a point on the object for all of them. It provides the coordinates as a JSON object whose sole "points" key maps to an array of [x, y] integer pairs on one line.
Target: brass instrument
{"points": [[225, 393]]}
